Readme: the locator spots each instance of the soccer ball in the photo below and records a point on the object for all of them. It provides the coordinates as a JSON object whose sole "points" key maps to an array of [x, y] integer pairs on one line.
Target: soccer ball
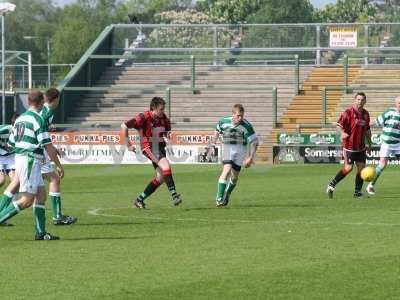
{"points": [[368, 173]]}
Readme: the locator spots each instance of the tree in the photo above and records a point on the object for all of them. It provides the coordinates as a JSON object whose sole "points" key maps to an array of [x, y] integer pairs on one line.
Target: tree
{"points": [[283, 11], [348, 11], [31, 18], [146, 10], [80, 24], [230, 11]]}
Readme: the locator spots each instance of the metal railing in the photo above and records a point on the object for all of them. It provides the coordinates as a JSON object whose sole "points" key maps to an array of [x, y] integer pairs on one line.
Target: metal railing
{"points": [[198, 90], [349, 89]]}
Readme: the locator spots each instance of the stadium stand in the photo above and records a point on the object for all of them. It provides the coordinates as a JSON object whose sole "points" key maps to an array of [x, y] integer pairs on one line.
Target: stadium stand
{"points": [[380, 83], [218, 89], [306, 107]]}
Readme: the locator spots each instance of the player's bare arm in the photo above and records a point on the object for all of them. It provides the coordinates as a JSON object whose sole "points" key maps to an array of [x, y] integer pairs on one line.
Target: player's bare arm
{"points": [[253, 150], [125, 134], [53, 154]]}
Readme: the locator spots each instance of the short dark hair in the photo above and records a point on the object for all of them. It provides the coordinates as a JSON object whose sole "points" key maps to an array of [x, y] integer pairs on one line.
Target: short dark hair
{"points": [[14, 117], [360, 94], [239, 108], [35, 97], [52, 94], [155, 102]]}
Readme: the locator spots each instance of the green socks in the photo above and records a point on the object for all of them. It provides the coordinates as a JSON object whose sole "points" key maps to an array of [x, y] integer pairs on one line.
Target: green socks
{"points": [[221, 189], [55, 199], [5, 200], [378, 171], [39, 213], [11, 210], [231, 186]]}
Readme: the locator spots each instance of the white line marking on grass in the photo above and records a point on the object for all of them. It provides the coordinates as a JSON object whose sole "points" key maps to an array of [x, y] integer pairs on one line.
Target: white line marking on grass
{"points": [[100, 212]]}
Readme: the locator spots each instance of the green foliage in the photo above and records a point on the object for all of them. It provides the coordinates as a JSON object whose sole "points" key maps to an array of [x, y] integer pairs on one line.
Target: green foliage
{"points": [[30, 18], [80, 24], [147, 10], [229, 11], [283, 11], [348, 11], [186, 37]]}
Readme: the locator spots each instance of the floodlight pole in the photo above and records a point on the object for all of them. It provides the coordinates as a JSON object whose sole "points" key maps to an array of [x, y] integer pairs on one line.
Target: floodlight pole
{"points": [[48, 64], [3, 88]]}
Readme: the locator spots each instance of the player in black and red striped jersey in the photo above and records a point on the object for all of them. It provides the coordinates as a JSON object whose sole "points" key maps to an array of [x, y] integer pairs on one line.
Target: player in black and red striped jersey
{"points": [[355, 129], [153, 127]]}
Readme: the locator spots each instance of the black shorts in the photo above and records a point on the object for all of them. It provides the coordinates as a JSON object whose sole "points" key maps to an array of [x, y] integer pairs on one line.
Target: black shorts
{"points": [[351, 157], [234, 166], [161, 153]]}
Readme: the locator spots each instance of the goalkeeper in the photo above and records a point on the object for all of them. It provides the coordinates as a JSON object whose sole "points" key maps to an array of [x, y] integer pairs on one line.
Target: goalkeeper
{"points": [[237, 134]]}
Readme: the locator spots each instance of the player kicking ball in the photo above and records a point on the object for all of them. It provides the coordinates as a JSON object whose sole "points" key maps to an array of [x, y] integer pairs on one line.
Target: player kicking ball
{"points": [[237, 136], [153, 127], [390, 121]]}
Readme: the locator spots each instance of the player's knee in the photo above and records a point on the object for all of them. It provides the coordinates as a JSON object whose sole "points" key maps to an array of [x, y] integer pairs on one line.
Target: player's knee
{"points": [[53, 178], [166, 172], [25, 202], [156, 181], [347, 169]]}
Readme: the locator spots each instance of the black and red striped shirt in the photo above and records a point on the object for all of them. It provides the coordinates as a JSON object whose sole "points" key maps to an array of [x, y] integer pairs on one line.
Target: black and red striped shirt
{"points": [[355, 123], [153, 128]]}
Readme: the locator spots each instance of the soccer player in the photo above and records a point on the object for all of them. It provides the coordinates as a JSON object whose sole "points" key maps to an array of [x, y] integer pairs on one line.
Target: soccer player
{"points": [[47, 169], [28, 138], [7, 163], [7, 167], [390, 121], [52, 99], [355, 128], [237, 133], [153, 127]]}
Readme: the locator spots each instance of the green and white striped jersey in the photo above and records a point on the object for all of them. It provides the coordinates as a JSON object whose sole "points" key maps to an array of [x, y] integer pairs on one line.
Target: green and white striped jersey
{"points": [[390, 121], [5, 132], [29, 134], [47, 114], [242, 134]]}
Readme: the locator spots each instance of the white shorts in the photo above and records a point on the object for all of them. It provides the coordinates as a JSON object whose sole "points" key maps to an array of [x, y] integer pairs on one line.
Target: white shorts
{"points": [[388, 150], [27, 169], [7, 163], [234, 154], [47, 164]]}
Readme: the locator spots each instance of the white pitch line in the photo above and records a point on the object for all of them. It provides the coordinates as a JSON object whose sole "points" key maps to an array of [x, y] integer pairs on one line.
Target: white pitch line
{"points": [[99, 212]]}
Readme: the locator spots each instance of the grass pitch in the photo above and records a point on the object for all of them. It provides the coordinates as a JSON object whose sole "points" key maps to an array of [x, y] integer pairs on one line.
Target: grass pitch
{"points": [[280, 238]]}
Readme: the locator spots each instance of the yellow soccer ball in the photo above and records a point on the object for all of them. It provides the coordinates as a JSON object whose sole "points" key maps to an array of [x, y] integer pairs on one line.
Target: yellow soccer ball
{"points": [[368, 173]]}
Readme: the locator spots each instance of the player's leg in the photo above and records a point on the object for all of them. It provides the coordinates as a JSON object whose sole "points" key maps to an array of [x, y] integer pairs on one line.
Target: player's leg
{"points": [[9, 192], [222, 182], [358, 182], [39, 213], [150, 188], [8, 196], [12, 188], [233, 179], [346, 169], [384, 153], [166, 172], [360, 160], [2, 177], [24, 167], [378, 171], [55, 198]]}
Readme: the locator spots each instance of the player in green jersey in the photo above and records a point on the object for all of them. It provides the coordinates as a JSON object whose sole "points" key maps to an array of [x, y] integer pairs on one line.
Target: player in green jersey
{"points": [[390, 121], [29, 139], [237, 136]]}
